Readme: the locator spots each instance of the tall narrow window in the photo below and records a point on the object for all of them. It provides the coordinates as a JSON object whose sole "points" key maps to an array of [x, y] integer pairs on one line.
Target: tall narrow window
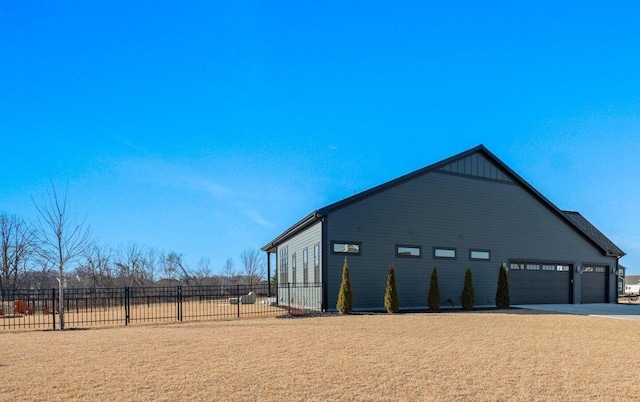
{"points": [[316, 263], [293, 267], [305, 266], [284, 265]]}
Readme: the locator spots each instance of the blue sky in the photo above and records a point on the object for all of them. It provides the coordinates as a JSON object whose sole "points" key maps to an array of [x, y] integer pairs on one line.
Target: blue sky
{"points": [[208, 128]]}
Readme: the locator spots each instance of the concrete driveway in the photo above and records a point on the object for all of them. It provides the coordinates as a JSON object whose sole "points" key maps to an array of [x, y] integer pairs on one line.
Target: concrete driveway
{"points": [[620, 311]]}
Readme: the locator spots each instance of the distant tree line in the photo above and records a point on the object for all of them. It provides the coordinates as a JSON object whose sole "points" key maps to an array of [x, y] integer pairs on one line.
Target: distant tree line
{"points": [[36, 255]]}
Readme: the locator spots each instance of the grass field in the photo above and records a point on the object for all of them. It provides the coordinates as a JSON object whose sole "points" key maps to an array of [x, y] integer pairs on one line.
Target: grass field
{"points": [[516, 355]]}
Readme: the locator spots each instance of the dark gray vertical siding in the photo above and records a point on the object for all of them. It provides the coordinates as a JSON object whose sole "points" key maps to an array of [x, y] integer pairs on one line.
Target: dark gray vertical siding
{"points": [[449, 211]]}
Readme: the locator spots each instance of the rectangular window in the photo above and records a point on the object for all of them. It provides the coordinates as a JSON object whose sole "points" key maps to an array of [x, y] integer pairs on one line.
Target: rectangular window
{"points": [[285, 260], [547, 267], [305, 266], [533, 267], [484, 255], [562, 268], [284, 265], [443, 252], [316, 263], [345, 247], [293, 267], [516, 266], [408, 251]]}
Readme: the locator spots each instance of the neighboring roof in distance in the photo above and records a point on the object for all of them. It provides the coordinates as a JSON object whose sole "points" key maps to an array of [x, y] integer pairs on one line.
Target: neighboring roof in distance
{"points": [[632, 280]]}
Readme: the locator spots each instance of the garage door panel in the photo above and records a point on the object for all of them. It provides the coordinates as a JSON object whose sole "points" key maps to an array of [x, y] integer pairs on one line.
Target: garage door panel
{"points": [[594, 284], [539, 287]]}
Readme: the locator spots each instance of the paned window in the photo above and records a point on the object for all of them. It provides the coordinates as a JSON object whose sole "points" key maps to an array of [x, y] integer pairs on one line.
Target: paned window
{"points": [[594, 268], [284, 265]]}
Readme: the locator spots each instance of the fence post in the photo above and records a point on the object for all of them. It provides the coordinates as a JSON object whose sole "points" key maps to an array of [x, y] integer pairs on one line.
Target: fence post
{"points": [[53, 306], [127, 307], [289, 296], [238, 296], [179, 297]]}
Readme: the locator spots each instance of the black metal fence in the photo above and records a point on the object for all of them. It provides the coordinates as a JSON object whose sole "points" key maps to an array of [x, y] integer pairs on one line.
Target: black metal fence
{"points": [[87, 307]]}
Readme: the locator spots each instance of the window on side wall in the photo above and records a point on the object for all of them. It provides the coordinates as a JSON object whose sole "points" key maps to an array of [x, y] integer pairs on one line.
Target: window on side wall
{"points": [[408, 251], [293, 267], [480, 255], [305, 266], [340, 247], [283, 265], [446, 253], [316, 263]]}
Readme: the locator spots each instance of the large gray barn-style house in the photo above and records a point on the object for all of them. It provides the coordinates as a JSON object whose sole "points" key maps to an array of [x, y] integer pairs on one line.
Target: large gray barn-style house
{"points": [[470, 210]]}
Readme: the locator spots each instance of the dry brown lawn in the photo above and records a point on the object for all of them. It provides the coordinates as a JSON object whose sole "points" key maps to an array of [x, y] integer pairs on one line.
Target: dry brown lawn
{"points": [[446, 356]]}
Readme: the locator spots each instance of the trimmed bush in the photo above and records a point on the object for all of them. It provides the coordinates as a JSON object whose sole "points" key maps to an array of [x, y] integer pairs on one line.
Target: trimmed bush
{"points": [[502, 294], [391, 298], [433, 299], [468, 294], [345, 297]]}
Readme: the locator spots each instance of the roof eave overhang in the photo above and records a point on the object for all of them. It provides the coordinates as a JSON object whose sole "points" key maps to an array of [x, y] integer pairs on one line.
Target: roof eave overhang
{"points": [[299, 226]]}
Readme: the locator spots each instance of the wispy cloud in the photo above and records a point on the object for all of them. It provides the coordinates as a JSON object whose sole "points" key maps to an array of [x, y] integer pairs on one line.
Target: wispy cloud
{"points": [[333, 147], [257, 218], [171, 174]]}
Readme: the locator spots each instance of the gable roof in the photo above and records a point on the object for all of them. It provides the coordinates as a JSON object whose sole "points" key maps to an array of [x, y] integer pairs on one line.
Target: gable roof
{"points": [[461, 164]]}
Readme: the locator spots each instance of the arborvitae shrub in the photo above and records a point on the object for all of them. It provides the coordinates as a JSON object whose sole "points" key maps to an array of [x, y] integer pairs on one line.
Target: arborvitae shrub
{"points": [[468, 294], [502, 294], [345, 297], [391, 298], [433, 299]]}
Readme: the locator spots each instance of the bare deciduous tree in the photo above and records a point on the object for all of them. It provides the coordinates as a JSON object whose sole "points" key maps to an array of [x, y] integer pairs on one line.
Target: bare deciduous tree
{"points": [[229, 272], [62, 237], [175, 268], [130, 265], [96, 270], [252, 266], [151, 265], [16, 246], [203, 271]]}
